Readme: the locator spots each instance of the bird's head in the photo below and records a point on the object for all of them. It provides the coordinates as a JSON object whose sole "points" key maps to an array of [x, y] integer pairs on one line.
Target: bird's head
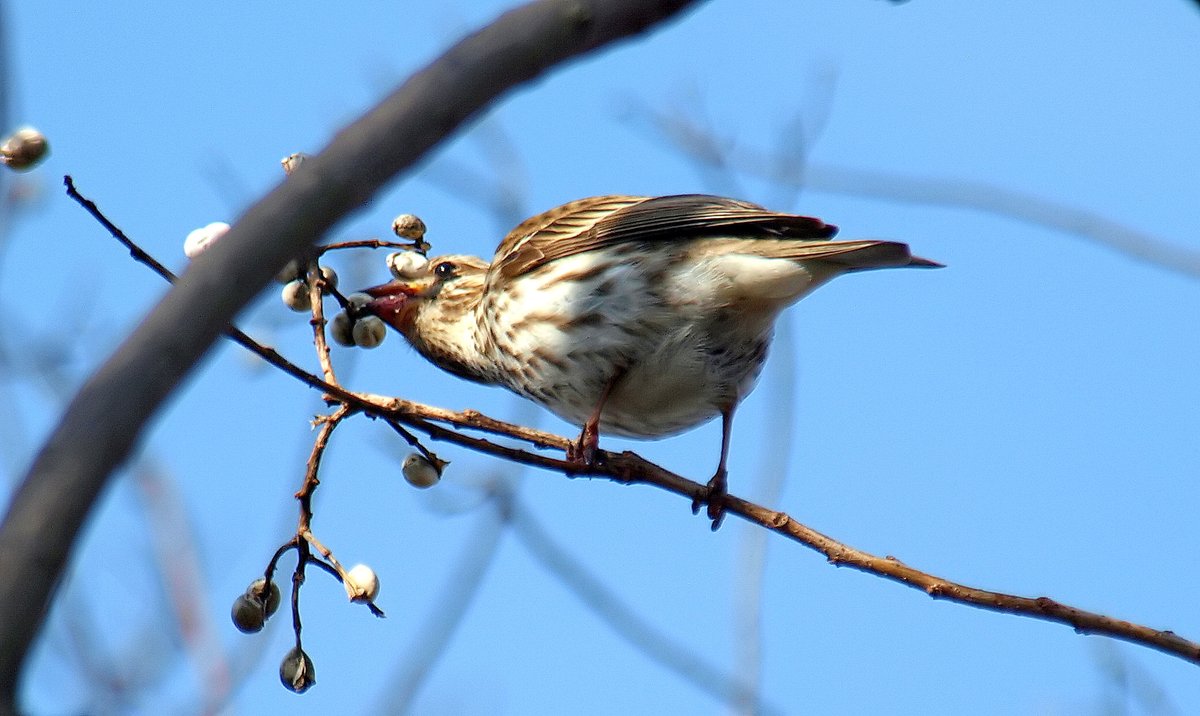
{"points": [[432, 304], [437, 292]]}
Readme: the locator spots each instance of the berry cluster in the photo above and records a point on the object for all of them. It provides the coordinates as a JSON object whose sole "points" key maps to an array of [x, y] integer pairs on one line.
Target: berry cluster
{"points": [[305, 279]]}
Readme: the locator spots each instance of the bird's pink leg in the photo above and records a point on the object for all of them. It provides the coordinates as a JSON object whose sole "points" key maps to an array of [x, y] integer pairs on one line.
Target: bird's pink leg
{"points": [[583, 451], [718, 486]]}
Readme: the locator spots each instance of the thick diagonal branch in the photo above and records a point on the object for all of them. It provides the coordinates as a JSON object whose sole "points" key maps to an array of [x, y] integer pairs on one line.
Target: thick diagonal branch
{"points": [[104, 420]]}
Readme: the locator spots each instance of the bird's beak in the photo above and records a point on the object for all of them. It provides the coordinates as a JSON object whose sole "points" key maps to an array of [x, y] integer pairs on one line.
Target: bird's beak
{"points": [[393, 302]]}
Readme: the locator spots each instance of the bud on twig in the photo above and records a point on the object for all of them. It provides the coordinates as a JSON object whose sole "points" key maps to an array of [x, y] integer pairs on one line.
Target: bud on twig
{"points": [[269, 596], [330, 277], [24, 148], [248, 614], [406, 264], [420, 472], [297, 672], [341, 328], [361, 583], [199, 240], [295, 296], [292, 161], [368, 332], [409, 226]]}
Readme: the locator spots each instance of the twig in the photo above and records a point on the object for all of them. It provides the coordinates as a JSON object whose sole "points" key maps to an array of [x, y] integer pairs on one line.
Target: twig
{"points": [[438, 463], [135, 251], [304, 534], [316, 287], [366, 244], [268, 354], [304, 496], [328, 424], [625, 622], [630, 468], [1084, 622], [335, 567]]}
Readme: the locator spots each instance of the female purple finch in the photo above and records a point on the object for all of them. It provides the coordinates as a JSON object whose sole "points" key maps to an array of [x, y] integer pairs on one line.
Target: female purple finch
{"points": [[635, 316]]}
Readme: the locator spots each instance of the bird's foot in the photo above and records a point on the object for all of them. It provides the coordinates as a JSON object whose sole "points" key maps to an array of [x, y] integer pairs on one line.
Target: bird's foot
{"points": [[585, 451], [714, 496]]}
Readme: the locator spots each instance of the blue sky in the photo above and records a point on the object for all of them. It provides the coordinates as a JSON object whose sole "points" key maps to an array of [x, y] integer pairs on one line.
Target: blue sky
{"points": [[1024, 420]]}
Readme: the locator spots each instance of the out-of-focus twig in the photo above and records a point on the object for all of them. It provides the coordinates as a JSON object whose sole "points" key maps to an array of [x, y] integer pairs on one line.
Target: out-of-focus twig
{"points": [[461, 587], [501, 190], [777, 441], [1127, 683], [624, 621], [179, 565], [175, 564], [1011, 203], [682, 132]]}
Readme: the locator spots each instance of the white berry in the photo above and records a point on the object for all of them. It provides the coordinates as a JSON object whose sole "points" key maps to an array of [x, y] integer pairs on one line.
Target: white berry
{"points": [[331, 278], [341, 328], [292, 162], [24, 148], [199, 240], [361, 584], [368, 332], [358, 300], [290, 272], [407, 226], [420, 472], [406, 264], [295, 296]]}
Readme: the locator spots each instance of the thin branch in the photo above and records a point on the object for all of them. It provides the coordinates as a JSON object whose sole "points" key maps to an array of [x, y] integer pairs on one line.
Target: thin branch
{"points": [[627, 467], [328, 424], [1084, 622], [316, 287], [366, 244]]}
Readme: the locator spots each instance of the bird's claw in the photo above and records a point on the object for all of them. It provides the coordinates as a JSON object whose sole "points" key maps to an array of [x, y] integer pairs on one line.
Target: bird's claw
{"points": [[714, 495], [585, 452]]}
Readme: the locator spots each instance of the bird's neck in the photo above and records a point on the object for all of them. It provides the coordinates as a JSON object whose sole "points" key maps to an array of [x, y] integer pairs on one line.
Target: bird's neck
{"points": [[452, 337]]}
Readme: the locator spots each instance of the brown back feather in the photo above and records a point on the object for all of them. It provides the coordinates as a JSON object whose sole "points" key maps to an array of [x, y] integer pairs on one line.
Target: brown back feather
{"points": [[598, 222]]}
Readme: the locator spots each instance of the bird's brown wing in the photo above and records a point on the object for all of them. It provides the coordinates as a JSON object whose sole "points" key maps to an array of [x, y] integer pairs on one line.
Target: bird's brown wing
{"points": [[597, 222]]}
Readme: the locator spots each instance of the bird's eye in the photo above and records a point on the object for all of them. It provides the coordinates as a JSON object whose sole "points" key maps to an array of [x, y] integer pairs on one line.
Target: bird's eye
{"points": [[444, 270]]}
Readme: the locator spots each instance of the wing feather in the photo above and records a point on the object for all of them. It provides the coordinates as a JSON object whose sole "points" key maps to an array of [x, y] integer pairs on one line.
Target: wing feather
{"points": [[597, 222]]}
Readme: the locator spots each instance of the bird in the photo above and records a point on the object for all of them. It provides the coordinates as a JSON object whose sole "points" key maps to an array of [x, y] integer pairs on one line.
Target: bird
{"points": [[631, 316]]}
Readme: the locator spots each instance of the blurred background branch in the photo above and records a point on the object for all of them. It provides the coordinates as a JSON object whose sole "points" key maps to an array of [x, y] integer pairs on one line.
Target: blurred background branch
{"points": [[694, 138], [103, 421]]}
